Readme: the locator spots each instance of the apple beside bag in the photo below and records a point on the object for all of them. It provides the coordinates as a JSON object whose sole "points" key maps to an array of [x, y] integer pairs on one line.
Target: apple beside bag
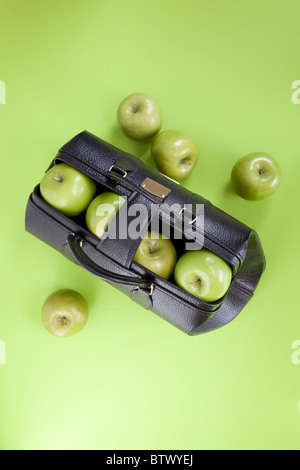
{"points": [[111, 169]]}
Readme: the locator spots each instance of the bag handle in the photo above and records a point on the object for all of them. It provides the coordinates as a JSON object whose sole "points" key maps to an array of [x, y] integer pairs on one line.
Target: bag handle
{"points": [[76, 243]]}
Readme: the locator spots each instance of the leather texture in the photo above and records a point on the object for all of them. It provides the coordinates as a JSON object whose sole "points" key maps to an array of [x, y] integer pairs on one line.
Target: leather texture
{"points": [[112, 260]]}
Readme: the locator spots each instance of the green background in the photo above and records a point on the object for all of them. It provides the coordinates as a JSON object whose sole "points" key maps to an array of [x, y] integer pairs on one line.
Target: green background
{"points": [[222, 71]]}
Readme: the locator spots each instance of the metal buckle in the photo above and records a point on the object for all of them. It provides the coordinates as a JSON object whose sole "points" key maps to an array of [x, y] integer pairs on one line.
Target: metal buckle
{"points": [[192, 221], [144, 288], [123, 175], [151, 290]]}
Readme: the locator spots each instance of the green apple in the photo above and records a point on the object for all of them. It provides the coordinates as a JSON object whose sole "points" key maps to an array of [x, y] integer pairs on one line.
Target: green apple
{"points": [[67, 189], [203, 274], [256, 176], [157, 253], [101, 211], [139, 116], [64, 313], [175, 153]]}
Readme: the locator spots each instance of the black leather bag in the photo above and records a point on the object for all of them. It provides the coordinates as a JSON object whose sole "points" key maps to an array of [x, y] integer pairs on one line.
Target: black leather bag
{"points": [[112, 259]]}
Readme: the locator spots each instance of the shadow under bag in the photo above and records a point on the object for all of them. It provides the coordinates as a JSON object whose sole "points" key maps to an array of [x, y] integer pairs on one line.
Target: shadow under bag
{"points": [[112, 259]]}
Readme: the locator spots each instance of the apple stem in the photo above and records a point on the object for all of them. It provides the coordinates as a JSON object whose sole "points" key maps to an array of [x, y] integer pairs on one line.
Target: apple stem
{"points": [[57, 178], [185, 161], [196, 282], [135, 108], [63, 321], [152, 247]]}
